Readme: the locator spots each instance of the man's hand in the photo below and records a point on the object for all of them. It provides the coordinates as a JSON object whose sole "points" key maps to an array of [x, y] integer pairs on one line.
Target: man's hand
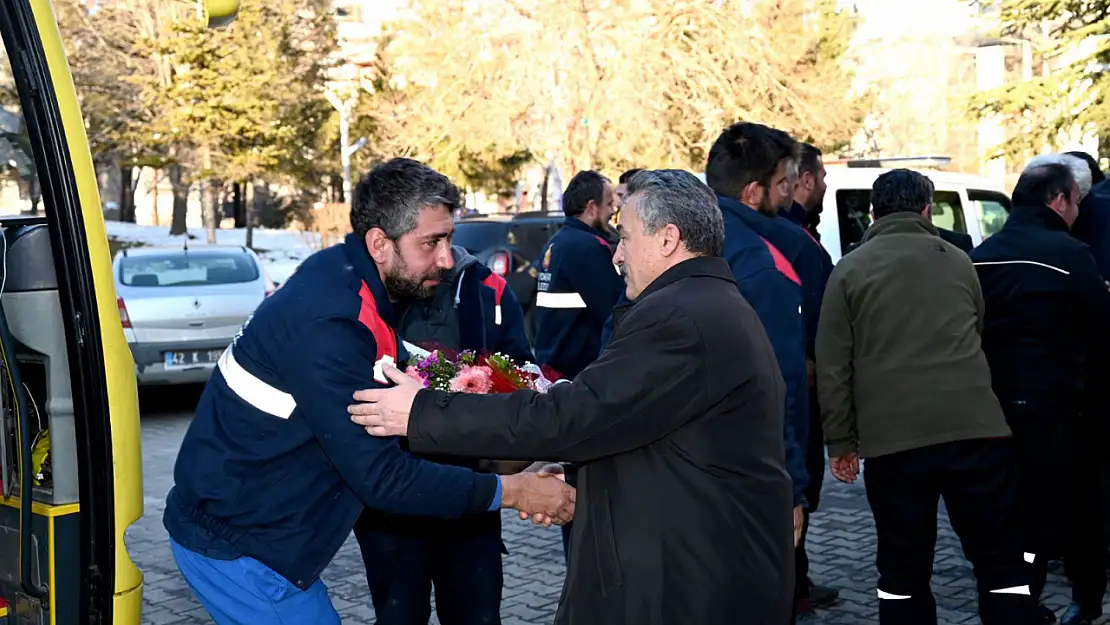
{"points": [[799, 520], [845, 468], [539, 496], [811, 373], [386, 411]]}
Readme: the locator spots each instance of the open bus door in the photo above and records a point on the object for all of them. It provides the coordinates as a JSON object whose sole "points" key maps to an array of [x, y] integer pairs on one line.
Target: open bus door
{"points": [[70, 461]]}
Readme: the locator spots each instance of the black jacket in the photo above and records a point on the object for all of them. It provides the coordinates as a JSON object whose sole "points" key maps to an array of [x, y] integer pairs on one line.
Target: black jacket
{"points": [[1047, 307], [684, 503]]}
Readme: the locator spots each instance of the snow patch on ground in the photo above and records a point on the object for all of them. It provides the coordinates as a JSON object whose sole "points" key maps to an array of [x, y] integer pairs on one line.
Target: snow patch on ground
{"points": [[281, 250]]}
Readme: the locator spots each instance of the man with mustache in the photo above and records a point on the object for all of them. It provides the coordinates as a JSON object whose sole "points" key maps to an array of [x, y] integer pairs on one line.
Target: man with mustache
{"points": [[272, 474]]}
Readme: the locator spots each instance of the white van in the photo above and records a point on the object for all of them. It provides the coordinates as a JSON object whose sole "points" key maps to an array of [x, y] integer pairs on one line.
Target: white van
{"points": [[961, 203]]}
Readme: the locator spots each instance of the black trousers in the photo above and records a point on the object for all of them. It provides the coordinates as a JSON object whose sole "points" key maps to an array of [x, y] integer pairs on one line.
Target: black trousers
{"points": [[815, 467], [977, 480], [1060, 474], [401, 569]]}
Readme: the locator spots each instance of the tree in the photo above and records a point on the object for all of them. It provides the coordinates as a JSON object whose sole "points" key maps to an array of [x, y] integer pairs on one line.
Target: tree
{"points": [[244, 98], [109, 68], [605, 84], [1067, 91]]}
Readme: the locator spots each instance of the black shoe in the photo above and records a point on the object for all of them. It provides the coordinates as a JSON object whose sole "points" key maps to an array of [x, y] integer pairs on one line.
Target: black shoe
{"points": [[823, 596], [1076, 615], [1045, 616]]}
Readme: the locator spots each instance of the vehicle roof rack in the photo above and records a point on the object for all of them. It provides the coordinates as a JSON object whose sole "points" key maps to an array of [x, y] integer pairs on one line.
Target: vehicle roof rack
{"points": [[891, 162]]}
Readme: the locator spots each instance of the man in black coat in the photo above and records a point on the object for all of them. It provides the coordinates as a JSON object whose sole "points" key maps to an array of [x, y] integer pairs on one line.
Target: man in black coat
{"points": [[1045, 338], [684, 503]]}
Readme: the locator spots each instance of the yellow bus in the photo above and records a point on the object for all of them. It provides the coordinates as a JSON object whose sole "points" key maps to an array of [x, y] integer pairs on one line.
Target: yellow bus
{"points": [[70, 461]]}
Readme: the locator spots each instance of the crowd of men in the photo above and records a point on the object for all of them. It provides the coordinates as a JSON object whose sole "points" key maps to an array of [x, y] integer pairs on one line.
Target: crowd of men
{"points": [[968, 374], [712, 355]]}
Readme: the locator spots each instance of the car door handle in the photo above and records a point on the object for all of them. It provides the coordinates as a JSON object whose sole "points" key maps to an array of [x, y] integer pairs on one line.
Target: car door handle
{"points": [[196, 324]]}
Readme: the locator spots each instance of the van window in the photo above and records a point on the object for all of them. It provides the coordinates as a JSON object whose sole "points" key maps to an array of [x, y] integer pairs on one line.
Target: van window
{"points": [[948, 211], [853, 207], [19, 181], [854, 212], [992, 208]]}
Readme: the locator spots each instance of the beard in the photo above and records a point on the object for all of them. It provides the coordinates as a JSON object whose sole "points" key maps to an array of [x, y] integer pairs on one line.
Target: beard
{"points": [[767, 207], [404, 286]]}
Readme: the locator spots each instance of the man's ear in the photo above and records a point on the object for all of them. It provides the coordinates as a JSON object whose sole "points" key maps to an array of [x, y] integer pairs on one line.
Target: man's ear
{"points": [[671, 240], [379, 245], [752, 195]]}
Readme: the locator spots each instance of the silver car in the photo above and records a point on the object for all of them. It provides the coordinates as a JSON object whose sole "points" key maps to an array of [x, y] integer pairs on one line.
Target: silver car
{"points": [[180, 308]]}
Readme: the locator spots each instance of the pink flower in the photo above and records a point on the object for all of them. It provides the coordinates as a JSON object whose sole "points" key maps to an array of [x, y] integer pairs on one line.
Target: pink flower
{"points": [[415, 374], [473, 379]]}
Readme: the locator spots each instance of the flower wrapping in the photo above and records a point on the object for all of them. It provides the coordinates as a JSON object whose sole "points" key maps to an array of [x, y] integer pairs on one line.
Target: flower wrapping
{"points": [[481, 374]]}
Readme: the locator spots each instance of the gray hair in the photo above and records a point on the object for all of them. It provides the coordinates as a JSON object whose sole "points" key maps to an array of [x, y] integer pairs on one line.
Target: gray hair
{"points": [[1080, 171], [673, 196]]}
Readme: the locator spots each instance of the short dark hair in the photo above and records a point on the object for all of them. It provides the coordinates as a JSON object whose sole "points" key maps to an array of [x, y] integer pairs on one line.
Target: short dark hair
{"points": [[628, 175], [901, 191], [809, 160], [391, 195], [745, 153], [584, 187], [1039, 185], [1096, 173]]}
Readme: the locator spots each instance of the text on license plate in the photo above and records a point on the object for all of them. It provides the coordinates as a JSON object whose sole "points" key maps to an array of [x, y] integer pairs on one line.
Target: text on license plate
{"points": [[192, 358]]}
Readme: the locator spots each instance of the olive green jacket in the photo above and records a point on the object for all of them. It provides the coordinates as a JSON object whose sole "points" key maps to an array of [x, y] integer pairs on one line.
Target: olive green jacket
{"points": [[899, 362]]}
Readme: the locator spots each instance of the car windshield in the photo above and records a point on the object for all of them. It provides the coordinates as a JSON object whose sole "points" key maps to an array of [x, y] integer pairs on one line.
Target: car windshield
{"points": [[476, 236], [187, 269]]}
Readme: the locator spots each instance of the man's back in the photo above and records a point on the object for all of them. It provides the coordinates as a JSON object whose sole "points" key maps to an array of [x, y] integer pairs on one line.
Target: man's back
{"points": [[717, 519], [911, 304], [1043, 292]]}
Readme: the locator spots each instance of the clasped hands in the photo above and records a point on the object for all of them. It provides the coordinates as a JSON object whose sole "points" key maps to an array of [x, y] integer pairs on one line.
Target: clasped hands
{"points": [[542, 496]]}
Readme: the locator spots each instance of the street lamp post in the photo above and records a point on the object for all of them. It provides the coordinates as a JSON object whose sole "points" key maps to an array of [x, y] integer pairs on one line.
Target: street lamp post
{"points": [[346, 149]]}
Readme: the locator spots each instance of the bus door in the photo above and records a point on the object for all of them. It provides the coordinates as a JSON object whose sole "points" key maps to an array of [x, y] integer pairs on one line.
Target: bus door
{"points": [[70, 463]]}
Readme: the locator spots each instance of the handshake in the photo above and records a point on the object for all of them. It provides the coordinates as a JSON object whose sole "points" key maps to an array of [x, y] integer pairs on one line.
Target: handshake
{"points": [[544, 497]]}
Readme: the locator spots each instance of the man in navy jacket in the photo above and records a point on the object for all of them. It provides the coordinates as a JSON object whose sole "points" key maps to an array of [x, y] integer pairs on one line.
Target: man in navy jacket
{"points": [[272, 474], [578, 283], [404, 555], [747, 169]]}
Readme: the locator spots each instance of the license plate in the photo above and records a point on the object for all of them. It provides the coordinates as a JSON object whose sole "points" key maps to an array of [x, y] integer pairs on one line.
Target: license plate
{"points": [[192, 358]]}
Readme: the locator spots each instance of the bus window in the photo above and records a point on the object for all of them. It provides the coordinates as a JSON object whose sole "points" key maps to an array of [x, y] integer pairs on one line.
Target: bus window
{"points": [[992, 209], [19, 183]]}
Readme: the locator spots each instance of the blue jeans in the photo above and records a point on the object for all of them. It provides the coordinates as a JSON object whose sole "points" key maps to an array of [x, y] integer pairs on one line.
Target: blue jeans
{"points": [[246, 592]]}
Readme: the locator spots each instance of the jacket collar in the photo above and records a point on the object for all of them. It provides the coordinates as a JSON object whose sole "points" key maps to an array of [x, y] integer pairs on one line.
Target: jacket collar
{"points": [[901, 223], [1042, 216], [776, 230], [699, 266], [797, 214], [578, 224], [367, 270]]}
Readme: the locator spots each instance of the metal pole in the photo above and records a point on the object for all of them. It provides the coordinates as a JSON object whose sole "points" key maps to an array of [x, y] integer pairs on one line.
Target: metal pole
{"points": [[345, 153]]}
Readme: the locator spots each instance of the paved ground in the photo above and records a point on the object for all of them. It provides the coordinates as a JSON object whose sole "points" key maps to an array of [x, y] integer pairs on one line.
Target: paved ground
{"points": [[842, 539]]}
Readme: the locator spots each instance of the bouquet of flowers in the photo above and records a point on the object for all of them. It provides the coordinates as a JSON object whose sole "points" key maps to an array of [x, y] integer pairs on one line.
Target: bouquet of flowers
{"points": [[471, 372]]}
